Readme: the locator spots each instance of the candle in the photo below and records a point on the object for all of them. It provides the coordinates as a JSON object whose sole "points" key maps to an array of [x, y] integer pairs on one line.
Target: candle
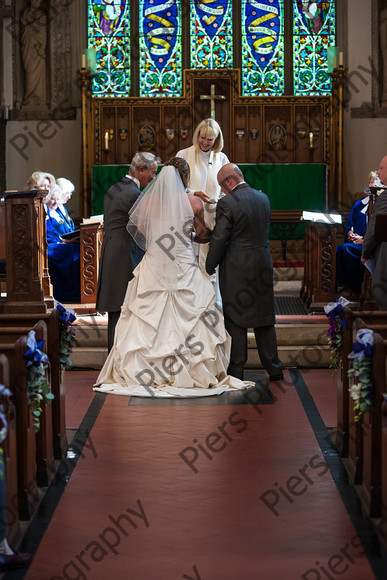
{"points": [[88, 63], [106, 140], [334, 62], [311, 140], [83, 61], [340, 58]]}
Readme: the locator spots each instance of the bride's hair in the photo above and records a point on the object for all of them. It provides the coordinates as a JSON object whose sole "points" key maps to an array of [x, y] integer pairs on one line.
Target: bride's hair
{"points": [[182, 166]]}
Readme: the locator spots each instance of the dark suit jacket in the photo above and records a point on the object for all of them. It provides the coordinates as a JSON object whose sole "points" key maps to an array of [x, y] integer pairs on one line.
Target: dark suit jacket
{"points": [[379, 252], [240, 245], [119, 255]]}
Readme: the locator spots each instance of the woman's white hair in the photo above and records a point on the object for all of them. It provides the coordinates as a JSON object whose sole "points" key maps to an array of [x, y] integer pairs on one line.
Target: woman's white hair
{"points": [[54, 190], [65, 185]]}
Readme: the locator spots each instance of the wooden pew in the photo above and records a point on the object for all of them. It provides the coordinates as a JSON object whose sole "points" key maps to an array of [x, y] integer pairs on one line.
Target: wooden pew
{"points": [[370, 433], [347, 430], [382, 528], [51, 318], [25, 435], [2, 248], [11, 510], [44, 437], [355, 462]]}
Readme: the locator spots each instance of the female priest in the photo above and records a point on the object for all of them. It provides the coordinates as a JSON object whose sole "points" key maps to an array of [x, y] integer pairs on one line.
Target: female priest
{"points": [[205, 159], [63, 255]]}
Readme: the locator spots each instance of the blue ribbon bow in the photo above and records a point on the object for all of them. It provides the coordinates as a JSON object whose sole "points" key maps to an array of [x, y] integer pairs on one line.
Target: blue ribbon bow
{"points": [[34, 355], [65, 315], [358, 347], [337, 310]]}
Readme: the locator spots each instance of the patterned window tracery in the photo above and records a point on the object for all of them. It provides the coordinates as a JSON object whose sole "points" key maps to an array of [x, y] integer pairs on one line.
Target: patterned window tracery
{"points": [[205, 31]]}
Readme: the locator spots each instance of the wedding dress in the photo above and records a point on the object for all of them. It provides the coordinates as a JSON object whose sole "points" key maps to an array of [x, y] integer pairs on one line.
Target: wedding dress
{"points": [[170, 339]]}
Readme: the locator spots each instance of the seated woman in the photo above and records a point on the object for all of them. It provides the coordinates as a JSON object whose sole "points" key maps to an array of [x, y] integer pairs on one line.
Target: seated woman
{"points": [[349, 269], [67, 190], [41, 180], [170, 340], [63, 257]]}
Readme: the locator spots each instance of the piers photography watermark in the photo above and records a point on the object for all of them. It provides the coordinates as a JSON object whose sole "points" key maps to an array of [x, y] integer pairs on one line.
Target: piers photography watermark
{"points": [[107, 543]]}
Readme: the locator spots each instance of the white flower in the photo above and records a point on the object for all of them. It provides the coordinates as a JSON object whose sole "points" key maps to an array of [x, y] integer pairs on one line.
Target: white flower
{"points": [[355, 391], [365, 336]]}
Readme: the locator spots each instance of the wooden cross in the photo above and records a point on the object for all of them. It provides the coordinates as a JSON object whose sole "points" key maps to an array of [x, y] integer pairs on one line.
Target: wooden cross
{"points": [[212, 97]]}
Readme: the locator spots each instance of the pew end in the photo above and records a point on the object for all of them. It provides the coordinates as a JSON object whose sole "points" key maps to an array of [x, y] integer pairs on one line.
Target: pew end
{"points": [[9, 446]]}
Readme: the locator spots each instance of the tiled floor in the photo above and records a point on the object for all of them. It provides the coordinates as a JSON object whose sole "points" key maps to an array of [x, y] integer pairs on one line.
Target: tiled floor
{"points": [[210, 492]]}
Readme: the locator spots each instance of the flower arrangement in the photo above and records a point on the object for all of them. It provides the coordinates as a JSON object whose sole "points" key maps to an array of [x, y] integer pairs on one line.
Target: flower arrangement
{"points": [[38, 389], [67, 334], [4, 392], [361, 371], [334, 311]]}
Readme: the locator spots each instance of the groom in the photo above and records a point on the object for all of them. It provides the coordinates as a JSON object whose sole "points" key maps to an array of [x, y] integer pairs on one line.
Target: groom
{"points": [[240, 245], [120, 255]]}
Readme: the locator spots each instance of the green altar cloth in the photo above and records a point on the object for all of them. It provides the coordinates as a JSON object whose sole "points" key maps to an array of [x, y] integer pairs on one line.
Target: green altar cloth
{"points": [[288, 186]]}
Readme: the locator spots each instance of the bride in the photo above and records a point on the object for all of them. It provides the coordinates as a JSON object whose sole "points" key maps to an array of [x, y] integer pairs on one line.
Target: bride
{"points": [[170, 340]]}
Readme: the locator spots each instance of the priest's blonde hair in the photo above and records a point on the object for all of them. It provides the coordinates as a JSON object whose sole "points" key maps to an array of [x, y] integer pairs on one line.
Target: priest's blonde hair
{"points": [[211, 129]]}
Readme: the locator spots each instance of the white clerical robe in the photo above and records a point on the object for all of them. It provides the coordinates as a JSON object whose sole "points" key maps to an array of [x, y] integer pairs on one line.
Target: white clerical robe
{"points": [[204, 167]]}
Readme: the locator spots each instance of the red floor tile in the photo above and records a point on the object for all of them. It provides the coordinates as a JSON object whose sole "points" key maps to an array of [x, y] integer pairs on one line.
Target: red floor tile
{"points": [[253, 500]]}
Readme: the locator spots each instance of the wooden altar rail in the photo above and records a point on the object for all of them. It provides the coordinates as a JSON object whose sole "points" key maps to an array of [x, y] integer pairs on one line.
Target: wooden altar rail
{"points": [[9, 457], [91, 243]]}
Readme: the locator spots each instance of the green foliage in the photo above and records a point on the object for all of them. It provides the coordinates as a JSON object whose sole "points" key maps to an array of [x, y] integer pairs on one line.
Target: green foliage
{"points": [[361, 390], [38, 391]]}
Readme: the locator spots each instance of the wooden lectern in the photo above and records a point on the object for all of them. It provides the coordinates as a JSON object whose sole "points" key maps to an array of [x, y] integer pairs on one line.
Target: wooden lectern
{"points": [[319, 283]]}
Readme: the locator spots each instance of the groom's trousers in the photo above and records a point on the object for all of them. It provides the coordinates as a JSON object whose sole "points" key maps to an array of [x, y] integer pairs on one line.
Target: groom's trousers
{"points": [[266, 340], [112, 323]]}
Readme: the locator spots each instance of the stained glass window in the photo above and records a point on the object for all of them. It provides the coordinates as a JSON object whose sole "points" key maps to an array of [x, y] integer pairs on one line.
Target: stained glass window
{"points": [[211, 34], [313, 34], [160, 48], [109, 34], [262, 47], [158, 51]]}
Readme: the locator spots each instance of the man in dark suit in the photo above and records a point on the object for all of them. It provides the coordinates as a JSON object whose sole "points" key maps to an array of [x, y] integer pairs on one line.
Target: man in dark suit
{"points": [[240, 245], [120, 255], [378, 250]]}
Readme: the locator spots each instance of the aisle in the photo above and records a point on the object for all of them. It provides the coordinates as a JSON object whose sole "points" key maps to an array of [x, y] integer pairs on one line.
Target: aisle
{"points": [[209, 491]]}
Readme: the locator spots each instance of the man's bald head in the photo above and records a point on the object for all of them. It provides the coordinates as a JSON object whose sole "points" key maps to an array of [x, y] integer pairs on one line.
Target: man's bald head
{"points": [[382, 171], [229, 176]]}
